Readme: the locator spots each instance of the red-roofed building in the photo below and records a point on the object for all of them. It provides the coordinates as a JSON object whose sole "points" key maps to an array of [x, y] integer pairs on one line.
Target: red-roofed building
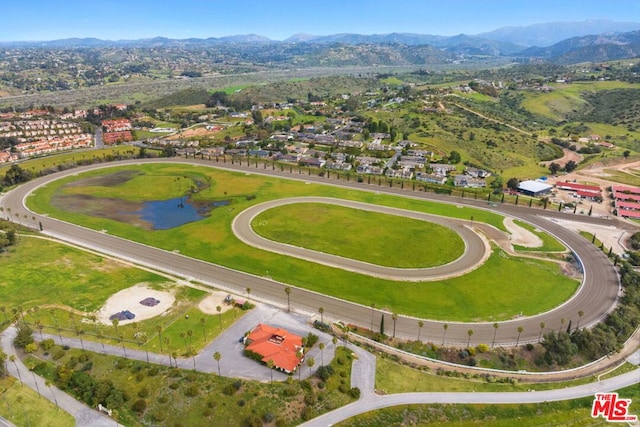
{"points": [[621, 189], [278, 345], [116, 137], [594, 189], [628, 214]]}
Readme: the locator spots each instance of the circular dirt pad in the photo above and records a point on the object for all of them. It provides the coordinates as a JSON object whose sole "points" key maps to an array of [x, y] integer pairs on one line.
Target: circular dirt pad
{"points": [[129, 299]]}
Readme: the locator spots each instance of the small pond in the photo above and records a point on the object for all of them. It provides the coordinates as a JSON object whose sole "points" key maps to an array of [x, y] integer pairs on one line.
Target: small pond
{"points": [[165, 214]]}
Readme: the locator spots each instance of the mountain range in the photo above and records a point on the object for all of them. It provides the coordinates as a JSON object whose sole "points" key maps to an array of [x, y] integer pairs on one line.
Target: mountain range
{"points": [[557, 42]]}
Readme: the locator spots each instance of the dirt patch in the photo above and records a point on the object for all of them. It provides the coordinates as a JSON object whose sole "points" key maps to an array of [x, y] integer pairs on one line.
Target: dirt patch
{"points": [[610, 236], [115, 209], [215, 299], [129, 299], [521, 236], [110, 180]]}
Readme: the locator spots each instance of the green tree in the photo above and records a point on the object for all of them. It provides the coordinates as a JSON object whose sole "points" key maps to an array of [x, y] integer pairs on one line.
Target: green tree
{"points": [[520, 330], [217, 356], [513, 184], [454, 157]]}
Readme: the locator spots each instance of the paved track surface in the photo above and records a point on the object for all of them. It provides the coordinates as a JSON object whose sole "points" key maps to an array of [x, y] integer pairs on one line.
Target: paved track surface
{"points": [[595, 298], [476, 249]]}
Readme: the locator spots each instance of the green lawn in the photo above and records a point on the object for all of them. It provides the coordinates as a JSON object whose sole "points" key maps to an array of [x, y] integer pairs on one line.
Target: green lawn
{"points": [[372, 237], [487, 293], [23, 406], [37, 272]]}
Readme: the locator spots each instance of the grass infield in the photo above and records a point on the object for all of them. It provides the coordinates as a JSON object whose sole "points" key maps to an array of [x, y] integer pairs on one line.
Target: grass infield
{"points": [[488, 293], [372, 237]]}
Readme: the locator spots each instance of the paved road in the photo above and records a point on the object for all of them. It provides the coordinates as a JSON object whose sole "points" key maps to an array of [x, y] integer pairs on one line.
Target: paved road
{"points": [[84, 415], [476, 250], [596, 297], [372, 402]]}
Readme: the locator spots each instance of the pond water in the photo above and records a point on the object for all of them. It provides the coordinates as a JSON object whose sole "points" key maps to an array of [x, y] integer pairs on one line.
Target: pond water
{"points": [[165, 214]]}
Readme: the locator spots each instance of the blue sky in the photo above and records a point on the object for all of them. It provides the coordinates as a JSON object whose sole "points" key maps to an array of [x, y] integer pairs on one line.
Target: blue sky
{"points": [[278, 19]]}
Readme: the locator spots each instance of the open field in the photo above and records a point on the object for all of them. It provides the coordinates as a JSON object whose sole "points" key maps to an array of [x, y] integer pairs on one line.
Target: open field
{"points": [[372, 237], [71, 277], [36, 165], [393, 377], [22, 406], [566, 413], [482, 294]]}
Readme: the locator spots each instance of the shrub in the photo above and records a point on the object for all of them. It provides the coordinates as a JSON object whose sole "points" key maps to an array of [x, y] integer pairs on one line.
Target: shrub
{"points": [[143, 392], [355, 392], [229, 390], [58, 353], [192, 391], [343, 388], [241, 403], [47, 344], [310, 398], [324, 372], [174, 386], [30, 348], [482, 348], [139, 405], [153, 371]]}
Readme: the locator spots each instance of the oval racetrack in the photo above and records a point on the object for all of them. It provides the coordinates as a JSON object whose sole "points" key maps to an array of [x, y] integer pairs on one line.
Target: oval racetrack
{"points": [[595, 298], [476, 250]]}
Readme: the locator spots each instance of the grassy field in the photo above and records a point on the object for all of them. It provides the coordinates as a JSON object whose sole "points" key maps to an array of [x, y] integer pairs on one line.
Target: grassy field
{"points": [[394, 377], [71, 277], [36, 165], [549, 243], [24, 407], [482, 294], [573, 413], [181, 397], [371, 237]]}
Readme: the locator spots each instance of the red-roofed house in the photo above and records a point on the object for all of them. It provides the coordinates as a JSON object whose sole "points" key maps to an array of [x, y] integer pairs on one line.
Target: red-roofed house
{"points": [[277, 345], [594, 189]]}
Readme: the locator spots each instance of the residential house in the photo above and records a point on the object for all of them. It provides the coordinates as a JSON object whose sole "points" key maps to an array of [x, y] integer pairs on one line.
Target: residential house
{"points": [[276, 345]]}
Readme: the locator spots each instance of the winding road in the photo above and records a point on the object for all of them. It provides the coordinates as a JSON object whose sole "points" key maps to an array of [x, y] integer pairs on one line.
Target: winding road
{"points": [[595, 298]]}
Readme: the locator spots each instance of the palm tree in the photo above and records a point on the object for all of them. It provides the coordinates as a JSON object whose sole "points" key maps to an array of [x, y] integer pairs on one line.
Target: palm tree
{"points": [[394, 316], [48, 384], [287, 291], [190, 334], [321, 311], [100, 338], [445, 327], [271, 364], [159, 329], [20, 401], [167, 341], [3, 309], [495, 330], [115, 322], [321, 346], [79, 333], [580, 314], [520, 329], [373, 307], [124, 350], [542, 325], [420, 325], [217, 356], [469, 332], [310, 362], [204, 334], [12, 358], [248, 295], [184, 340], [219, 310], [562, 324]]}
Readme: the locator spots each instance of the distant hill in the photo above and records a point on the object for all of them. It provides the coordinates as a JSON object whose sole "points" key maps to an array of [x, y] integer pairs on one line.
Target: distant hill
{"points": [[604, 47], [547, 34], [556, 42]]}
